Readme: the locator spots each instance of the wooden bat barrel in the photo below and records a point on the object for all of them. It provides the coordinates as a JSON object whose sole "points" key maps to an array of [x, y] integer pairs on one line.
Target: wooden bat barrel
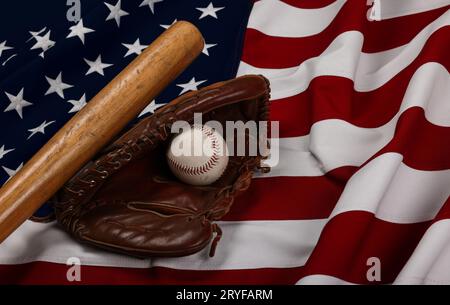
{"points": [[97, 124]]}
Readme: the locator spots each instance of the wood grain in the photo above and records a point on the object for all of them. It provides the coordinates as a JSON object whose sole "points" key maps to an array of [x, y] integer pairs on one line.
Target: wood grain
{"points": [[97, 123]]}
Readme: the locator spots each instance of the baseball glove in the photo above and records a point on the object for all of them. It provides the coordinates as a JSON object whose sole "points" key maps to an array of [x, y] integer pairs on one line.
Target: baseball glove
{"points": [[127, 200]]}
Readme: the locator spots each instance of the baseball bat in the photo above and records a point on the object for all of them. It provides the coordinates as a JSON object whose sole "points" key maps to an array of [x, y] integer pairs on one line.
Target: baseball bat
{"points": [[97, 123]]}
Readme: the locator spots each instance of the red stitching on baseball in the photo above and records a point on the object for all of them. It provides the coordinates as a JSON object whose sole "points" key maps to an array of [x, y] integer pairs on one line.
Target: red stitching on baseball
{"points": [[198, 170]]}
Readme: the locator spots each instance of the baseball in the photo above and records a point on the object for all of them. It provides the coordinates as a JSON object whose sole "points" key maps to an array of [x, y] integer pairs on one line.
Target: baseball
{"points": [[198, 155]]}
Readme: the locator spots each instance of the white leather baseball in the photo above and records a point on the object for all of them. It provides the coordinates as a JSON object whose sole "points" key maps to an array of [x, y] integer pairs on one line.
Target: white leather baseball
{"points": [[198, 156]]}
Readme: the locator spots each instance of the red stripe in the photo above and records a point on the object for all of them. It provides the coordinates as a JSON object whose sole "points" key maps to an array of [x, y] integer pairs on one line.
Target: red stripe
{"points": [[424, 146], [44, 273], [332, 97], [354, 237], [290, 198], [266, 51], [309, 4]]}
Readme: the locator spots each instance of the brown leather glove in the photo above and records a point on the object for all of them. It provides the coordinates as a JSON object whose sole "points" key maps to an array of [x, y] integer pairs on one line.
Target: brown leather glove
{"points": [[128, 201]]}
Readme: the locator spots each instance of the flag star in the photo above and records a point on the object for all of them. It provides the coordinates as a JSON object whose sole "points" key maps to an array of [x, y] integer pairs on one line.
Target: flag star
{"points": [[43, 42], [135, 48], [116, 12], [34, 34], [210, 10], [57, 85], [17, 103], [191, 85], [79, 30], [166, 26], [12, 172], [151, 4], [97, 66], [78, 105], [206, 47], [4, 47], [149, 109], [40, 128], [4, 151]]}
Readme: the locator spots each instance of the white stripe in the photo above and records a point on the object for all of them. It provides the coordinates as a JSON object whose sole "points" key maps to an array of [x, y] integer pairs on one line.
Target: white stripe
{"points": [[398, 8], [244, 245], [395, 192], [276, 18], [344, 58], [335, 143], [429, 88], [292, 157], [321, 279], [330, 145], [430, 262]]}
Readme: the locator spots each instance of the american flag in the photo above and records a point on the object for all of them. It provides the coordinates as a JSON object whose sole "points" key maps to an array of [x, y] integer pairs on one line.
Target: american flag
{"points": [[362, 93]]}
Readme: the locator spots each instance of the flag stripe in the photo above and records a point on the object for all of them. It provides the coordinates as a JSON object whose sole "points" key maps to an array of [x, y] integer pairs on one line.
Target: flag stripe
{"points": [[290, 198], [426, 147], [430, 262], [427, 265], [329, 97], [283, 27], [321, 279], [309, 4], [261, 46], [395, 245], [313, 198], [343, 58], [55, 274], [240, 247], [391, 243], [336, 143], [399, 8], [394, 191]]}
